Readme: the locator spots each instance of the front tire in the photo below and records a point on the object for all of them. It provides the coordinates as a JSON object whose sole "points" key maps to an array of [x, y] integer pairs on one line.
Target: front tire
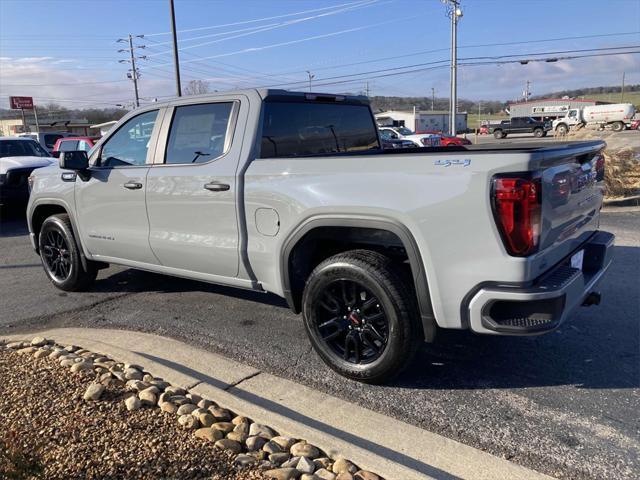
{"points": [[538, 133], [60, 255], [562, 129], [361, 316], [499, 134], [617, 126]]}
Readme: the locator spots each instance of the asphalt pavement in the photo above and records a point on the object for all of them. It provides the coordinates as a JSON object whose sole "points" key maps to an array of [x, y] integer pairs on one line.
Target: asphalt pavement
{"points": [[566, 404]]}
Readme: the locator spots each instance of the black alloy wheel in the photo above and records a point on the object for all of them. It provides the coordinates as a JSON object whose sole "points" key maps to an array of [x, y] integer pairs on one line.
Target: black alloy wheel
{"points": [[56, 255], [351, 320], [360, 311]]}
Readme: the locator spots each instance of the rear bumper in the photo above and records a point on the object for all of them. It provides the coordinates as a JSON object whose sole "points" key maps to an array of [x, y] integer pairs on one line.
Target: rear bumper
{"points": [[543, 305]]}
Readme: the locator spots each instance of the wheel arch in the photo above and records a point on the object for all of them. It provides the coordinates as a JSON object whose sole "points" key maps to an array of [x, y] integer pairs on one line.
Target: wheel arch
{"points": [[43, 209], [371, 231]]}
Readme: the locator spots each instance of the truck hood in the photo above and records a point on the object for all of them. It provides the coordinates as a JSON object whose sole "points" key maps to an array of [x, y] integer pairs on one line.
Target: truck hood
{"points": [[11, 163]]}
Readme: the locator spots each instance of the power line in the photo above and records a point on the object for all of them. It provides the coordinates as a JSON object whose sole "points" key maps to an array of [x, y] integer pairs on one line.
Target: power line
{"points": [[245, 22]]}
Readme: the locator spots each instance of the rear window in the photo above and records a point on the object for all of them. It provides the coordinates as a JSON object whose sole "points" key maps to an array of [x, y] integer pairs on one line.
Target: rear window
{"points": [[21, 148], [68, 145], [292, 129], [50, 139]]}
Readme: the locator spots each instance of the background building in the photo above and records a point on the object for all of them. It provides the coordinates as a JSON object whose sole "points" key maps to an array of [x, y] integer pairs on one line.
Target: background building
{"points": [[423, 120], [548, 108]]}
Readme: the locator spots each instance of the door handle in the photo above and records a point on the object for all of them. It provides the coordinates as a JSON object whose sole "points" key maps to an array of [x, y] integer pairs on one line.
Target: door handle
{"points": [[133, 185], [217, 187]]}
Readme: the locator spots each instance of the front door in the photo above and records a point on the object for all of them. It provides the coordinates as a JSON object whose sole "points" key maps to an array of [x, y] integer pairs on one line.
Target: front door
{"points": [[111, 203], [191, 188]]}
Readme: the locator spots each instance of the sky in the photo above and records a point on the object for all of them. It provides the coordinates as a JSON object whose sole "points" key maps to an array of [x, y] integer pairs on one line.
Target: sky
{"points": [[66, 51]]}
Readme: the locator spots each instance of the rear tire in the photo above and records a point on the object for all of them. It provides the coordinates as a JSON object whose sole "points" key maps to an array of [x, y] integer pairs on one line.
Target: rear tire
{"points": [[61, 257], [617, 126], [361, 316]]}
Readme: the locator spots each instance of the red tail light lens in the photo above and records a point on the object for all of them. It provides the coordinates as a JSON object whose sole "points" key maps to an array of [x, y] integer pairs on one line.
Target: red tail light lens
{"points": [[599, 167], [517, 211]]}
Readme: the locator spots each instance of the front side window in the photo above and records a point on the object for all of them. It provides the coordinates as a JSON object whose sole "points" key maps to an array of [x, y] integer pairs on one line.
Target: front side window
{"points": [[129, 145], [68, 145], [198, 133], [292, 129], [405, 131]]}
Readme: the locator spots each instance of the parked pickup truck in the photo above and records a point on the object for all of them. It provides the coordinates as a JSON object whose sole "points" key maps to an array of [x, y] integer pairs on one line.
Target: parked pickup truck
{"points": [[291, 193], [520, 125]]}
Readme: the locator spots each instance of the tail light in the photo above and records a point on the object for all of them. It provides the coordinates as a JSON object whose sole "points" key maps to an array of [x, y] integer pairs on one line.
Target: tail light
{"points": [[599, 167], [516, 203]]}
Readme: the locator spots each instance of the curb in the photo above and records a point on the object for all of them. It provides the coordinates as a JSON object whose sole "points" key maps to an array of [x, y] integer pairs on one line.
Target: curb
{"points": [[633, 201], [389, 447]]}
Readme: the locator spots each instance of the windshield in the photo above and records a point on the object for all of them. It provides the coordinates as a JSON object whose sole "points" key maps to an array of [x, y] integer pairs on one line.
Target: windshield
{"points": [[405, 131], [21, 148]]}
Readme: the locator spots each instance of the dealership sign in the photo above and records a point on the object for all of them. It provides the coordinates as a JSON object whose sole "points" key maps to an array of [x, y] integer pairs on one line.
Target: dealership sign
{"points": [[551, 109], [18, 103]]}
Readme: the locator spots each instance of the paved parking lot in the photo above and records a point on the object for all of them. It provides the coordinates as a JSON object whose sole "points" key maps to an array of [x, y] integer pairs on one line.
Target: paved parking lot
{"points": [[629, 138], [567, 403]]}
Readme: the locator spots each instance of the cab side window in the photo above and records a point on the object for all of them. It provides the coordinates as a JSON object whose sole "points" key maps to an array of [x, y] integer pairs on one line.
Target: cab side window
{"points": [[129, 145], [198, 133]]}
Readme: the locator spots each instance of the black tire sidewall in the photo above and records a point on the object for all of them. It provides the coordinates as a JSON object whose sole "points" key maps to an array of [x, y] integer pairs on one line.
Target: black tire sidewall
{"points": [[56, 223], [396, 341]]}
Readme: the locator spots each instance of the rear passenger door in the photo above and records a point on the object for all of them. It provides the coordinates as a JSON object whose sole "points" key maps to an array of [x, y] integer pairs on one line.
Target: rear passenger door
{"points": [[191, 187]]}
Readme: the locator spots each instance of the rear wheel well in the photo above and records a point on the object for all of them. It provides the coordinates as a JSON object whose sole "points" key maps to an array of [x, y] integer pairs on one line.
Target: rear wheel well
{"points": [[324, 242], [40, 214]]}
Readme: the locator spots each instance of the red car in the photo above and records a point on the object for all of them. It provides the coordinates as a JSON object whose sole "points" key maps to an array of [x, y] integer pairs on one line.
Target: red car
{"points": [[635, 125], [446, 140], [68, 144]]}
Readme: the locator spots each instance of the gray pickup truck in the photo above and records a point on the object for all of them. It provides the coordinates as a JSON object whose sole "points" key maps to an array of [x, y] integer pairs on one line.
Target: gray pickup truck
{"points": [[291, 193]]}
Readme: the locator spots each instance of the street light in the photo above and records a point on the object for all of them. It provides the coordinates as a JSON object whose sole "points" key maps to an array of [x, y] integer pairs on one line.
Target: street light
{"points": [[455, 13]]}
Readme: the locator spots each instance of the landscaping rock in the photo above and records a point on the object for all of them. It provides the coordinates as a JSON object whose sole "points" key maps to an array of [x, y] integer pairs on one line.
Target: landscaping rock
{"points": [[285, 442], [279, 458], [136, 385], [237, 436], [262, 431], [243, 460], [209, 434], [305, 465], [38, 341], [221, 414], [224, 427], [147, 397], [41, 353], [206, 419], [17, 345], [27, 350], [195, 399], [133, 403], [132, 374], [255, 443], [242, 428], [186, 409], [240, 420], [325, 474], [171, 390], [188, 421], [323, 462], [344, 476], [169, 407], [93, 392], [342, 465], [365, 475], [81, 367], [304, 449], [206, 404], [229, 445], [291, 463], [272, 447], [283, 474]]}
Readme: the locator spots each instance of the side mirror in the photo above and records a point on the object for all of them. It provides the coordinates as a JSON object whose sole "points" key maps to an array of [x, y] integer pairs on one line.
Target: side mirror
{"points": [[55, 154], [75, 160]]}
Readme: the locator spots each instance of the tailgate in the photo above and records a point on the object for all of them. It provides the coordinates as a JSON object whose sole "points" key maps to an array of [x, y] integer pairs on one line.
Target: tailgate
{"points": [[572, 192]]}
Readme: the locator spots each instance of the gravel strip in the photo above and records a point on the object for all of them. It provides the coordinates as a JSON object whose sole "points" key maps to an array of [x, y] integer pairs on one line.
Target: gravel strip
{"points": [[45, 422], [101, 421]]}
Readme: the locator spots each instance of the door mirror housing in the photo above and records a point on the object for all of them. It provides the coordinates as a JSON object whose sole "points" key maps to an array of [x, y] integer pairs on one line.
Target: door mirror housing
{"points": [[74, 160], [55, 154]]}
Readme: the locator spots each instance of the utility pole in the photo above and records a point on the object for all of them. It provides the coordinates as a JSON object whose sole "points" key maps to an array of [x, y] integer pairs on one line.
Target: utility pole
{"points": [[366, 89], [133, 74], [455, 13], [433, 99], [311, 77], [622, 90], [176, 60]]}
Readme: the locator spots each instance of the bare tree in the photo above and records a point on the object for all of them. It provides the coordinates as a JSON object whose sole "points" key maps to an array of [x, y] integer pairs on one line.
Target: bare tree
{"points": [[196, 87]]}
